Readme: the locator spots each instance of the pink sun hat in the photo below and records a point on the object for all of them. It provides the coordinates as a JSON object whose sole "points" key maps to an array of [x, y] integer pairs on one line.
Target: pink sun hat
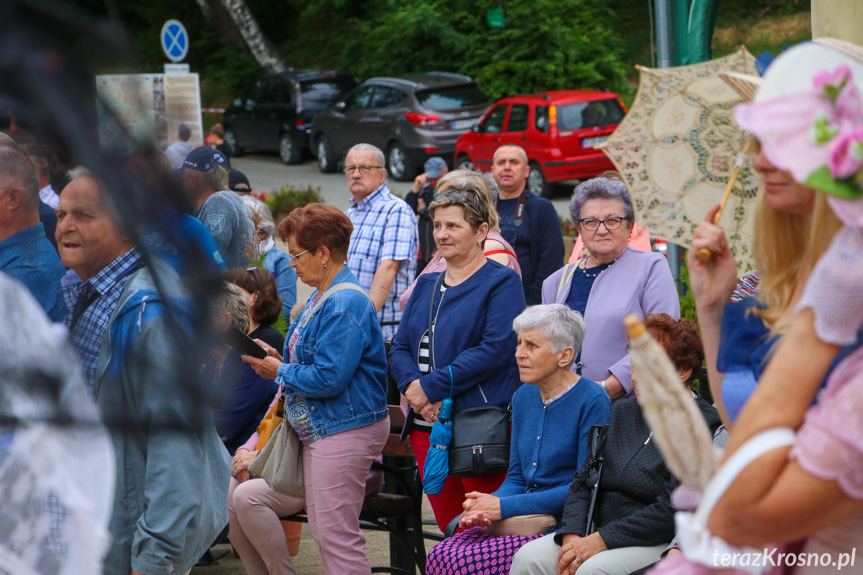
{"points": [[807, 115]]}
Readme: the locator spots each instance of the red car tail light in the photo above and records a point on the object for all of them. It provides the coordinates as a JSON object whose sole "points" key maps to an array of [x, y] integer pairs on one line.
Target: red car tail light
{"points": [[422, 119]]}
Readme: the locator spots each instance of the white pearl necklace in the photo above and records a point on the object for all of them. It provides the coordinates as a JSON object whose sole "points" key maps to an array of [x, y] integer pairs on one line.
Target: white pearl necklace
{"points": [[583, 268]]}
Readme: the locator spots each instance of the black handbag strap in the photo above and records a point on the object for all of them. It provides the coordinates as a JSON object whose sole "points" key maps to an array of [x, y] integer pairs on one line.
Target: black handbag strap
{"points": [[409, 423], [431, 338], [596, 452], [431, 319]]}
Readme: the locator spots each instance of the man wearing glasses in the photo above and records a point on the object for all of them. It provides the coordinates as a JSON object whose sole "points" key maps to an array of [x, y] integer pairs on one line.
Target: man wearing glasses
{"points": [[383, 249]]}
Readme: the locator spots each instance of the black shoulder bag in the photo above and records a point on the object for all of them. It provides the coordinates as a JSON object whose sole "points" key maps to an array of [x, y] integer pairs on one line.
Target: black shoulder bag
{"points": [[480, 435]]}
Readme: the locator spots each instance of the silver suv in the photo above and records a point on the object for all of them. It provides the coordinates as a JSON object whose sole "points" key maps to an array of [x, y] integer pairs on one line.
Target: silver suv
{"points": [[411, 118]]}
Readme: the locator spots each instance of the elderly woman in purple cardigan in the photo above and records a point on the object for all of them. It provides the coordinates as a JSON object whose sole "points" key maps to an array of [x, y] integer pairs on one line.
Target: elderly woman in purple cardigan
{"points": [[613, 281]]}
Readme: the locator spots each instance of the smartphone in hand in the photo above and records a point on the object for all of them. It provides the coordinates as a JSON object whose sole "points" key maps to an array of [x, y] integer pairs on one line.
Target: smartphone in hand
{"points": [[244, 344]]}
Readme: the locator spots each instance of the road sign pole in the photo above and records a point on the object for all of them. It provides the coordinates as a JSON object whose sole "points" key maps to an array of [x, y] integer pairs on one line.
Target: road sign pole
{"points": [[663, 53]]}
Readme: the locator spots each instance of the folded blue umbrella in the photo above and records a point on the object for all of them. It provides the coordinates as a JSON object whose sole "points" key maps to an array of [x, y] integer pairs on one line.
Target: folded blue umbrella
{"points": [[437, 460]]}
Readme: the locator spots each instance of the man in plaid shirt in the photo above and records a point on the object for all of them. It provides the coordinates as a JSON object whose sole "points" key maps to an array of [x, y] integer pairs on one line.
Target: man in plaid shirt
{"points": [[383, 250]]}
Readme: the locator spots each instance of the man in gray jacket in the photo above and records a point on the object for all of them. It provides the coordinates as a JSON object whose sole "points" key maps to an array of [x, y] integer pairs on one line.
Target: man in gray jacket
{"points": [[205, 181], [133, 342]]}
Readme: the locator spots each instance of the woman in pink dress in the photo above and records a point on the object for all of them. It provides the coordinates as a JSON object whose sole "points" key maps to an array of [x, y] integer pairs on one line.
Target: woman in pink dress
{"points": [[812, 492]]}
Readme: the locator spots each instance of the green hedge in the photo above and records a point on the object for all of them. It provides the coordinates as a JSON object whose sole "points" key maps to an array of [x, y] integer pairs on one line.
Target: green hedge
{"points": [[283, 202]]}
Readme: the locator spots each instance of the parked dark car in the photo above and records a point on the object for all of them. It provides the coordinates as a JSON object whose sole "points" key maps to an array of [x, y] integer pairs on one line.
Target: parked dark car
{"points": [[411, 118], [557, 129], [276, 112]]}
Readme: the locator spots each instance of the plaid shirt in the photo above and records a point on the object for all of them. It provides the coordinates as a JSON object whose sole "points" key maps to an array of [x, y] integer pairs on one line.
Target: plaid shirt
{"points": [[106, 287], [385, 228]]}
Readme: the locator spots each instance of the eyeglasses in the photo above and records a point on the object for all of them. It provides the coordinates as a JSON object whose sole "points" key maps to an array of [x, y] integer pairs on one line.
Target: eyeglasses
{"points": [[294, 258], [592, 224], [362, 169]]}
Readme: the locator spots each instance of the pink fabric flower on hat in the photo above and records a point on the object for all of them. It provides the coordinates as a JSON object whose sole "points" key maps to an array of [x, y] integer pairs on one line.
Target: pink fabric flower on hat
{"points": [[846, 153], [797, 131], [839, 88], [832, 81], [785, 128]]}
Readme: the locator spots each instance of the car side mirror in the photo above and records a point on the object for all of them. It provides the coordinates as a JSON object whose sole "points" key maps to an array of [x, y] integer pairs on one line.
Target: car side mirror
{"points": [[475, 128]]}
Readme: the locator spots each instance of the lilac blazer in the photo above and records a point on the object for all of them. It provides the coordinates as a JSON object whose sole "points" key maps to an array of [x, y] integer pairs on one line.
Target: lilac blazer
{"points": [[638, 283]]}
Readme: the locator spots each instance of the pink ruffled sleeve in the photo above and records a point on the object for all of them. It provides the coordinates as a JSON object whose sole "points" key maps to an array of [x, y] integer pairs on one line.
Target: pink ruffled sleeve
{"points": [[835, 289], [830, 443]]}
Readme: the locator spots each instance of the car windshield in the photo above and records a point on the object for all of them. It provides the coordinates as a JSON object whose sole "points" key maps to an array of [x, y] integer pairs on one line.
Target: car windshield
{"points": [[322, 93], [452, 97], [589, 114]]}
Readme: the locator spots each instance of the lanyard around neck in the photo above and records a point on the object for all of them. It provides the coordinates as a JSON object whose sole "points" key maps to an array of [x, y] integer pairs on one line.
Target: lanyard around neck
{"points": [[519, 207]]}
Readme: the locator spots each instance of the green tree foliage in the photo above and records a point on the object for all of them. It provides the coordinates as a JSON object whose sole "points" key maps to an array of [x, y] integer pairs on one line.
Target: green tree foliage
{"points": [[687, 300], [546, 44]]}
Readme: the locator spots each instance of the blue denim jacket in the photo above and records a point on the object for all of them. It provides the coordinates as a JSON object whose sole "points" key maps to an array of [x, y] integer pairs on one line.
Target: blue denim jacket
{"points": [[341, 366], [30, 258]]}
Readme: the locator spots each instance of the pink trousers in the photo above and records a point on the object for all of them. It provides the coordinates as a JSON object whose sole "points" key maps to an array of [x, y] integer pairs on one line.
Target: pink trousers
{"points": [[335, 470]]}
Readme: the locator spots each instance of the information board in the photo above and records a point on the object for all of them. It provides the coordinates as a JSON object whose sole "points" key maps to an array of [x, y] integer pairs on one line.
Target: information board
{"points": [[151, 107]]}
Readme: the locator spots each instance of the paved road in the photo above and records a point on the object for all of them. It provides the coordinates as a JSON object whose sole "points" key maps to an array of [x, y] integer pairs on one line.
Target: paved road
{"points": [[268, 173]]}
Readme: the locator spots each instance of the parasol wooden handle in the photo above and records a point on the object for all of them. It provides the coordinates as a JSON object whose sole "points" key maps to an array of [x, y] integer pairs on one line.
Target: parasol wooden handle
{"points": [[704, 254], [634, 327]]}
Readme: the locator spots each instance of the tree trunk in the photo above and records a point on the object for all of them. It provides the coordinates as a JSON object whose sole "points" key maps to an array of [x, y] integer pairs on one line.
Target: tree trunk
{"points": [[260, 45], [215, 11], [202, 4]]}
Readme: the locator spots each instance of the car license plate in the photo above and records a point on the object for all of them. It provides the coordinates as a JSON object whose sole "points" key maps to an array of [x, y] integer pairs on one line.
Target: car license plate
{"points": [[465, 124], [591, 142]]}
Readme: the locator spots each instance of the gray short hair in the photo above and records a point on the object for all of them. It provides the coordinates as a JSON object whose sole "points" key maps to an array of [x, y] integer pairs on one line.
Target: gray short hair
{"points": [[379, 155], [492, 185], [17, 171], [601, 188], [516, 146], [78, 172], [232, 300], [562, 326], [267, 226], [216, 178]]}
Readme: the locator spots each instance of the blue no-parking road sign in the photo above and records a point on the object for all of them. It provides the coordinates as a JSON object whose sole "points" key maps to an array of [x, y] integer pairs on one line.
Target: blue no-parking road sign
{"points": [[175, 40]]}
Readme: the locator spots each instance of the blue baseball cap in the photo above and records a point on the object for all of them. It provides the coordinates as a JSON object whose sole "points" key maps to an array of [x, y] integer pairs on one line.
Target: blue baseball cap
{"points": [[203, 159], [434, 167]]}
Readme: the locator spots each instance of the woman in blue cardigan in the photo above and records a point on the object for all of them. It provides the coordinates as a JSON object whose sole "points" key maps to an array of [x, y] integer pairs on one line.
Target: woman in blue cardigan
{"points": [[472, 304], [550, 425]]}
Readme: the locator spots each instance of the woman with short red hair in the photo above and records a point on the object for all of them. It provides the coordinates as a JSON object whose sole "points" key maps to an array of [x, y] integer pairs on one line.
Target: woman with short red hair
{"points": [[334, 381]]}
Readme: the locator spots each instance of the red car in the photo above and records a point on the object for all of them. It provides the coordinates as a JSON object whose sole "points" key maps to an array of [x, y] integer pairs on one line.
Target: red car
{"points": [[557, 129]]}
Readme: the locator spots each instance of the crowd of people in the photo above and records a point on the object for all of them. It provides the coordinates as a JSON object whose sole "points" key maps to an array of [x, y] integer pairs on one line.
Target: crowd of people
{"points": [[465, 283]]}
